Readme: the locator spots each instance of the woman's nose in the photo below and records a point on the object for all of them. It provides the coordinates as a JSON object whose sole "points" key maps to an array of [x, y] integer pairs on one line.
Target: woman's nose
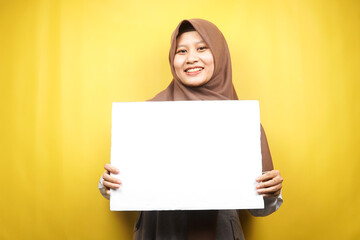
{"points": [[192, 57]]}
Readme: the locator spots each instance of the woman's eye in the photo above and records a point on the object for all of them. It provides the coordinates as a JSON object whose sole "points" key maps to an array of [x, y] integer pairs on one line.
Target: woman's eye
{"points": [[181, 51], [202, 48]]}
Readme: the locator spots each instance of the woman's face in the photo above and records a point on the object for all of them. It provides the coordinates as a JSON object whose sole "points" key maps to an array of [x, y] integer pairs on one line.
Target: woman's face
{"points": [[193, 61]]}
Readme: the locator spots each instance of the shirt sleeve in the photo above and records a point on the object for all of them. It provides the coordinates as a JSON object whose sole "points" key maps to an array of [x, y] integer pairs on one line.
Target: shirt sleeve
{"points": [[271, 205], [102, 188]]}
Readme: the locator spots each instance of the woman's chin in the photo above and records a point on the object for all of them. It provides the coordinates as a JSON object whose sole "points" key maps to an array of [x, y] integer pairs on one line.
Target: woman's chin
{"points": [[194, 82]]}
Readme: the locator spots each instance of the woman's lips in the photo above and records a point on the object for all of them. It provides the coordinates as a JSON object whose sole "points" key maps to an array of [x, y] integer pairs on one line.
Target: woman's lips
{"points": [[193, 70]]}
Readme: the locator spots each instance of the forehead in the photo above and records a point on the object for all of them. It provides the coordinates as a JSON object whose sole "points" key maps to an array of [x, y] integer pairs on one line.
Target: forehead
{"points": [[188, 38]]}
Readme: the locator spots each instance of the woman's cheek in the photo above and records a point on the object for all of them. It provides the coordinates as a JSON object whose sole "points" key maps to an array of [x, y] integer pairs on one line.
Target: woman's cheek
{"points": [[209, 60], [178, 64]]}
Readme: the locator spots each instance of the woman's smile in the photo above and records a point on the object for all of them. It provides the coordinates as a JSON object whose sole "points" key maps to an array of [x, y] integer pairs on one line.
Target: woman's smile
{"points": [[192, 71]]}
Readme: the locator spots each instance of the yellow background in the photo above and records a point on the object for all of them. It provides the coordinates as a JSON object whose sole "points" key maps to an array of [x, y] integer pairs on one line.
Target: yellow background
{"points": [[63, 63]]}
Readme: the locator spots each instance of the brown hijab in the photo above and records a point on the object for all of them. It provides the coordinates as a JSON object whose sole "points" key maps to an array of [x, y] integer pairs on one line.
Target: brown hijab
{"points": [[220, 86]]}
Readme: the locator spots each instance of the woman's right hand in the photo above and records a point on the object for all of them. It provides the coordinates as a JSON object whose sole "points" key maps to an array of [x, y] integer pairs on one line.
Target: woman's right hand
{"points": [[110, 181]]}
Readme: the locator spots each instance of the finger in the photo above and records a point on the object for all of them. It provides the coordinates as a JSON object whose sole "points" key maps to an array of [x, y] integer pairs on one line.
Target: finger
{"points": [[111, 179], [108, 192], [111, 185], [277, 193], [272, 182], [272, 189], [268, 175], [111, 168], [105, 174]]}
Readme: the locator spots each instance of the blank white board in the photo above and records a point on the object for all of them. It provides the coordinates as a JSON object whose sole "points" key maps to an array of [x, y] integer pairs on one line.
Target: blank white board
{"points": [[186, 155]]}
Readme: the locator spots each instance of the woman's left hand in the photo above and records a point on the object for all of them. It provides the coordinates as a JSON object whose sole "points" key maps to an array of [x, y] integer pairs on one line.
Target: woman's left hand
{"points": [[270, 184]]}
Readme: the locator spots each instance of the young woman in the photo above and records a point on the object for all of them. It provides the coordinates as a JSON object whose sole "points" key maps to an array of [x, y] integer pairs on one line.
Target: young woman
{"points": [[201, 68]]}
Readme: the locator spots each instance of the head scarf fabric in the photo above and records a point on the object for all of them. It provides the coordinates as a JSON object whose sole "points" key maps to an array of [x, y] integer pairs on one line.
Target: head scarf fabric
{"points": [[220, 86]]}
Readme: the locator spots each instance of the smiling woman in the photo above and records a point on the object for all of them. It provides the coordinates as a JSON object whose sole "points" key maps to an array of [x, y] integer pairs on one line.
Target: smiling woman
{"points": [[201, 68]]}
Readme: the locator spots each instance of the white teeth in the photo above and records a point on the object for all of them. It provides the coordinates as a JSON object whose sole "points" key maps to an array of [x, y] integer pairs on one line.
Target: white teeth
{"points": [[193, 69]]}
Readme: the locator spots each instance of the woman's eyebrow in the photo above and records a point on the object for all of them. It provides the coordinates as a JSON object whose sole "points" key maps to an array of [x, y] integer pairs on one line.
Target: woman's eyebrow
{"points": [[182, 45]]}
